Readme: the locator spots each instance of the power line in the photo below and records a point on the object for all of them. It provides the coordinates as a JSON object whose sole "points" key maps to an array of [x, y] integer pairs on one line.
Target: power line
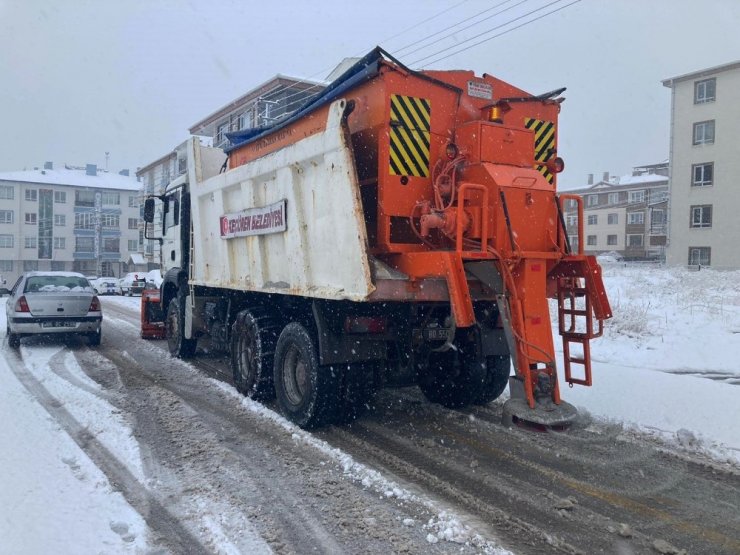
{"points": [[399, 50], [488, 31], [507, 31]]}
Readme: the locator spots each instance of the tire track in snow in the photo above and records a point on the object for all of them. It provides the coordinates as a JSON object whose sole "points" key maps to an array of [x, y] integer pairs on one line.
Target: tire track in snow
{"points": [[170, 531]]}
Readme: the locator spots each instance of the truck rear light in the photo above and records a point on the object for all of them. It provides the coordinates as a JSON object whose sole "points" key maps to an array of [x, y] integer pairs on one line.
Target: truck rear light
{"points": [[21, 305], [364, 324], [556, 165], [95, 304]]}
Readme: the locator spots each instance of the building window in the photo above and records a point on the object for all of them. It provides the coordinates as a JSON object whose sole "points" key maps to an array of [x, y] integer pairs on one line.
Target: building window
{"points": [[592, 200], [6, 241], [60, 197], [572, 220], [660, 195], [85, 198], [30, 265], [7, 192], [613, 198], [573, 240], [6, 217], [705, 90], [58, 266], [60, 242], [110, 220], [245, 120], [85, 220], [29, 242], [591, 240], [702, 174], [611, 240], [637, 196], [133, 223], [133, 245], [700, 256], [221, 131], [111, 198], [593, 219], [84, 244], [704, 132], [60, 220], [636, 218], [634, 240], [612, 219], [6, 265], [701, 216], [32, 195], [111, 244], [132, 202], [31, 218], [657, 217]]}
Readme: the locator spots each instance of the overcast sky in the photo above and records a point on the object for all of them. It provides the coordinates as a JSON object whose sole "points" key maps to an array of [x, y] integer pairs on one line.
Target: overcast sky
{"points": [[82, 77]]}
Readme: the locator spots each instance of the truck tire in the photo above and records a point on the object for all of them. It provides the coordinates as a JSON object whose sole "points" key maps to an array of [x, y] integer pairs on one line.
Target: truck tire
{"points": [[452, 378], [498, 368], [253, 340], [307, 393], [357, 389], [177, 344]]}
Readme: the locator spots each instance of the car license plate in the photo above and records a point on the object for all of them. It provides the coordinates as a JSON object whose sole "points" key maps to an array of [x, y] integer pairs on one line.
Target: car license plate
{"points": [[436, 334], [57, 324]]}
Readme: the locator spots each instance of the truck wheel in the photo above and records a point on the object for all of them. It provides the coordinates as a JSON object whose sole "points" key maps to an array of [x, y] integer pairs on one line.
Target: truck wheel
{"points": [[253, 341], [452, 378], [498, 368], [177, 344], [306, 392], [357, 388]]}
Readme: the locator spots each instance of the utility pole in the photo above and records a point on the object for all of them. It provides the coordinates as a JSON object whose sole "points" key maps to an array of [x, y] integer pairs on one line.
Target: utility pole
{"points": [[106, 160]]}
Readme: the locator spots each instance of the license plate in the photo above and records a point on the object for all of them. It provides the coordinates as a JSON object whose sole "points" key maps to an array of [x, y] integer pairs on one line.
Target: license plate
{"points": [[57, 324], [436, 334]]}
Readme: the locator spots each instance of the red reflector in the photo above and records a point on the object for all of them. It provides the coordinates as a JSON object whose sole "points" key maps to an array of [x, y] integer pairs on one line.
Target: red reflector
{"points": [[21, 305], [95, 304], [364, 324], [536, 320], [536, 267]]}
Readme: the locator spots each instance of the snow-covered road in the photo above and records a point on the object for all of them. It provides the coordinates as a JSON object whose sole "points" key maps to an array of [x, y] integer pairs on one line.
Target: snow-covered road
{"points": [[76, 477]]}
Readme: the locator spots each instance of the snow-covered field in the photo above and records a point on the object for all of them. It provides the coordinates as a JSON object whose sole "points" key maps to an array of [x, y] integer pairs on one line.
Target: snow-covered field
{"points": [[669, 360], [666, 366]]}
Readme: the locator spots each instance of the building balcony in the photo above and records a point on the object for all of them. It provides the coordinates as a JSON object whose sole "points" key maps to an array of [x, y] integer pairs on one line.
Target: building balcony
{"points": [[83, 255]]}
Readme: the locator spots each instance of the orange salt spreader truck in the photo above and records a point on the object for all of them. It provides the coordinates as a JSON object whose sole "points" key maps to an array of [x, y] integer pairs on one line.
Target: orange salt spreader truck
{"points": [[401, 227]]}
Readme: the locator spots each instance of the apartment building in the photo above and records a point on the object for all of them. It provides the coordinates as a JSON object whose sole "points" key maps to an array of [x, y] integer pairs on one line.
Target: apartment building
{"points": [[625, 214], [77, 219], [705, 198], [263, 105]]}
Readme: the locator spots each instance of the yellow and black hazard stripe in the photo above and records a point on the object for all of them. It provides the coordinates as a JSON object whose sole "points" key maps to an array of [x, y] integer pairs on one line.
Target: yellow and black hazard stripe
{"points": [[409, 136], [544, 143]]}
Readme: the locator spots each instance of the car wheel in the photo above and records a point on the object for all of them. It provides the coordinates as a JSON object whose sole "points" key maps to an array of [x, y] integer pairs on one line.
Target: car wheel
{"points": [[14, 339], [307, 393], [95, 338]]}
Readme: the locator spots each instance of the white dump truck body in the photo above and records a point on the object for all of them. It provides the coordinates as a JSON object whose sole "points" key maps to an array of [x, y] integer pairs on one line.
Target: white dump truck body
{"points": [[290, 222]]}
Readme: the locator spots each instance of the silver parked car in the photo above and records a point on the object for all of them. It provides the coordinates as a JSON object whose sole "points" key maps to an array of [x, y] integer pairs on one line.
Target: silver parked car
{"points": [[52, 303]]}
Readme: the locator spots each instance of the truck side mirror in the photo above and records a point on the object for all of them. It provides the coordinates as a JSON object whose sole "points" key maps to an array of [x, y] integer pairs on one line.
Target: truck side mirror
{"points": [[149, 210]]}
